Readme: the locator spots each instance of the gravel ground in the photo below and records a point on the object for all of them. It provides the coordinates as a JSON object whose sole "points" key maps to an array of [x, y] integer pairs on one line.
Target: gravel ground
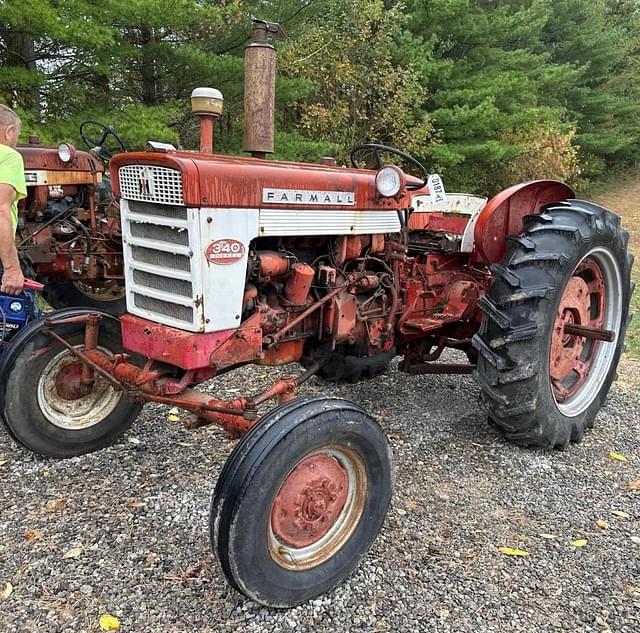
{"points": [[132, 522]]}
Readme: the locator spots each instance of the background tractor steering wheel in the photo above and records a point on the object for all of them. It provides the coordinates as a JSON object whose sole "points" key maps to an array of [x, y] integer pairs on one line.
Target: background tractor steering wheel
{"points": [[375, 150], [95, 135]]}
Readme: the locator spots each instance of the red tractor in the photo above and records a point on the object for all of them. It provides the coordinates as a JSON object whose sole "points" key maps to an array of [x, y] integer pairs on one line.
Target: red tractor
{"points": [[69, 234], [231, 261]]}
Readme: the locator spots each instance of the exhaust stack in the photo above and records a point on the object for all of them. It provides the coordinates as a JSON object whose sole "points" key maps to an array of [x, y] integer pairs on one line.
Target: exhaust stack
{"points": [[206, 104], [260, 88]]}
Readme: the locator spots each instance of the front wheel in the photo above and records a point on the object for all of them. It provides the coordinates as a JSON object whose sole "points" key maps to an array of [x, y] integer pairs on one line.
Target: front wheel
{"points": [[45, 405], [301, 500], [554, 323]]}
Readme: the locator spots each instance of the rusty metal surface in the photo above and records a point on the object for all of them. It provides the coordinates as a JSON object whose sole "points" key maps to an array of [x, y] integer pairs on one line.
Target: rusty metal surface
{"points": [[503, 215], [38, 157], [170, 345], [317, 508], [237, 182], [259, 98], [577, 330], [309, 501]]}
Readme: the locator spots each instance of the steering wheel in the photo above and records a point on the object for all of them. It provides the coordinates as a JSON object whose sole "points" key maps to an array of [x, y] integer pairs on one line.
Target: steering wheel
{"points": [[375, 150], [98, 143]]}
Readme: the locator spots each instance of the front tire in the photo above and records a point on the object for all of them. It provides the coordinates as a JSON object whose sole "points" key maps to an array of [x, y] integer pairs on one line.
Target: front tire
{"points": [[570, 267], [40, 406], [301, 500]]}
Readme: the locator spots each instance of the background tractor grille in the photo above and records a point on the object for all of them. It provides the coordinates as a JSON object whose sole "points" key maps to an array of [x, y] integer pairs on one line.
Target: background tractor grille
{"points": [[149, 183]]}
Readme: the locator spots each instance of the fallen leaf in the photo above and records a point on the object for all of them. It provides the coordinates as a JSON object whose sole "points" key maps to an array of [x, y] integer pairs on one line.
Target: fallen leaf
{"points": [[173, 418], [32, 535], [581, 542], [470, 555], [45, 473], [619, 456], [109, 622], [629, 589], [73, 553], [401, 511], [411, 505], [7, 591], [620, 513], [134, 440], [635, 539], [548, 536], [3, 462], [55, 505], [601, 523], [510, 551], [174, 411], [634, 484]]}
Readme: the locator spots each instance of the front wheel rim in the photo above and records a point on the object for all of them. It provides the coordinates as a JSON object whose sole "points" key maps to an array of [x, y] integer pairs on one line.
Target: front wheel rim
{"points": [[592, 297], [317, 508], [67, 407]]}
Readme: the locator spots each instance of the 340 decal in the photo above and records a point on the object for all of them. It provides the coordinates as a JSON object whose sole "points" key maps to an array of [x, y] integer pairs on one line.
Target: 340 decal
{"points": [[224, 252]]}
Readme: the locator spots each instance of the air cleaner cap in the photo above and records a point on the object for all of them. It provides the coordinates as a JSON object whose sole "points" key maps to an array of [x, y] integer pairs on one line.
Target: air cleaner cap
{"points": [[207, 101]]}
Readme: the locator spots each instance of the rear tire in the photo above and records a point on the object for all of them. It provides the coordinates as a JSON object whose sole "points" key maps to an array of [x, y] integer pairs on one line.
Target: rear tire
{"points": [[301, 500], [33, 409], [544, 387]]}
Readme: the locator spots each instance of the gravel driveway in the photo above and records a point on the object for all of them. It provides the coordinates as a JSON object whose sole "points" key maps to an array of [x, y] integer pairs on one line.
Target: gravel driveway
{"points": [[124, 531]]}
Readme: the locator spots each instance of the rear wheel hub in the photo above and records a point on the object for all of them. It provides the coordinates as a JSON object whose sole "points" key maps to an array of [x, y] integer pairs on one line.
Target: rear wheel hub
{"points": [[572, 357]]}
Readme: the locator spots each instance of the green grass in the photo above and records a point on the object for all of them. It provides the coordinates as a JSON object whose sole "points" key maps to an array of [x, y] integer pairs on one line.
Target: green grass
{"points": [[633, 331]]}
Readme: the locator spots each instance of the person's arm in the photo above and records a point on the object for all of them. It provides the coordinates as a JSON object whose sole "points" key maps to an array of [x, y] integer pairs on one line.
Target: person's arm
{"points": [[12, 278]]}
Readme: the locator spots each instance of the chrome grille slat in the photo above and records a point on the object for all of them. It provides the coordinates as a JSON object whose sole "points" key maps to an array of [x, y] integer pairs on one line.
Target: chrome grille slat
{"points": [[164, 211], [160, 258], [166, 308], [160, 233], [166, 284]]}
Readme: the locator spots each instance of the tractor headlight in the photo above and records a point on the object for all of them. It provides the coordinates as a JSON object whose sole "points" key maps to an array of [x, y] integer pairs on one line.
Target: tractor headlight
{"points": [[389, 181], [66, 152]]}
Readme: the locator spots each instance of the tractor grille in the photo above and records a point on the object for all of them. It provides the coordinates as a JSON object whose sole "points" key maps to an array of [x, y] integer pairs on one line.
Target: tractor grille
{"points": [[162, 284], [149, 183]]}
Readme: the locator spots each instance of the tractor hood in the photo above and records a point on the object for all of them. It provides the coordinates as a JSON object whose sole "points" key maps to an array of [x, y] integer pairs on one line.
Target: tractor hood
{"points": [[237, 182]]}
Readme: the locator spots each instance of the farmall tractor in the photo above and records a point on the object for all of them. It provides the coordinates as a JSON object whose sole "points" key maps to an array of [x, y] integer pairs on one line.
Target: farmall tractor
{"points": [[231, 261], [69, 235]]}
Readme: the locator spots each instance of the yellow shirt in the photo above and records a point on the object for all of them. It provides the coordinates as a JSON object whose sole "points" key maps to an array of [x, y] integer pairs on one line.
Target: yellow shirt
{"points": [[12, 173]]}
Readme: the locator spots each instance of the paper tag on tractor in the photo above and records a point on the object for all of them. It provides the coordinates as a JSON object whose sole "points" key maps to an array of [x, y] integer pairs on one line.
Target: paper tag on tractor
{"points": [[436, 189]]}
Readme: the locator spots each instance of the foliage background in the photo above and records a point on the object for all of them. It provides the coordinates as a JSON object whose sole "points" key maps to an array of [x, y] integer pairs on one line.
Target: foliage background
{"points": [[484, 92]]}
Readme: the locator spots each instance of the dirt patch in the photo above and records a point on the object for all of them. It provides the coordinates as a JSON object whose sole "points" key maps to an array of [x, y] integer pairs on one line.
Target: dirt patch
{"points": [[625, 201]]}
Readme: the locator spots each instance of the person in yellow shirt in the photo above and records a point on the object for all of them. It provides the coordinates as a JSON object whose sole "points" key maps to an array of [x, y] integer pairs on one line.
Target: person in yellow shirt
{"points": [[12, 189]]}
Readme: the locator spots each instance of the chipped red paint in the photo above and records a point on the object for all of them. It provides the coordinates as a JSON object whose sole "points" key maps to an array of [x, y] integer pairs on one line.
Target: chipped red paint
{"points": [[170, 345], [309, 501], [236, 182], [582, 304], [36, 157], [504, 213]]}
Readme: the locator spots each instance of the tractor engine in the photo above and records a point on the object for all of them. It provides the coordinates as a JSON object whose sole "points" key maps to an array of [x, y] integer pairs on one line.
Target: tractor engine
{"points": [[296, 262]]}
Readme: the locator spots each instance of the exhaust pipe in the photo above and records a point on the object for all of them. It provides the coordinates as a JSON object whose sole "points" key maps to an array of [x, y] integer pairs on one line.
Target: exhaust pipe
{"points": [[260, 88]]}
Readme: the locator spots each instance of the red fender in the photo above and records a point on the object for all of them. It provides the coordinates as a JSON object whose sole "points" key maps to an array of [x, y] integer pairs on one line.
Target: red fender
{"points": [[503, 215]]}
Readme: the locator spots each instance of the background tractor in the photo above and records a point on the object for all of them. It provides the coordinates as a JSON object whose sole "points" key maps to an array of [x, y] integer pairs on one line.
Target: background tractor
{"points": [[230, 261], [69, 235]]}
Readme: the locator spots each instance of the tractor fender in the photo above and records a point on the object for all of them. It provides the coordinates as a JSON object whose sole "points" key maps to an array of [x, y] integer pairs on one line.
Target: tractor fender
{"points": [[503, 215]]}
